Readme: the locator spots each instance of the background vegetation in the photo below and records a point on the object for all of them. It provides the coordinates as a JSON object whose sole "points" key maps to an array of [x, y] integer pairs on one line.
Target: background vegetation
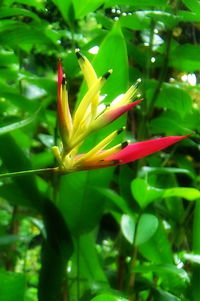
{"points": [[128, 233]]}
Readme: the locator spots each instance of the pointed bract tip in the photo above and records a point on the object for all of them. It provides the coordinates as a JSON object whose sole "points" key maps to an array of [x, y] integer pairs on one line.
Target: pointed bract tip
{"points": [[107, 74], [79, 55], [64, 81], [120, 130], [124, 144]]}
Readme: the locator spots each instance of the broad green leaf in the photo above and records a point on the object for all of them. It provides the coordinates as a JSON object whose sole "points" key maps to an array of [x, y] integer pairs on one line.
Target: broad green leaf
{"points": [[136, 21], [116, 199], [168, 124], [16, 198], [163, 170], [12, 286], [83, 7], [90, 267], [16, 125], [128, 227], [147, 226], [158, 249], [143, 193], [169, 20], [15, 159], [174, 98], [162, 295], [164, 269], [108, 297], [115, 43], [39, 4], [188, 57], [9, 239], [66, 8], [140, 4], [80, 200], [187, 16], [189, 194], [193, 5], [6, 12], [13, 33]]}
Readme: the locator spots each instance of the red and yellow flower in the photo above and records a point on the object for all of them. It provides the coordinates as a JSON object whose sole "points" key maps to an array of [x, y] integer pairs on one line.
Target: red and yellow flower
{"points": [[92, 115]]}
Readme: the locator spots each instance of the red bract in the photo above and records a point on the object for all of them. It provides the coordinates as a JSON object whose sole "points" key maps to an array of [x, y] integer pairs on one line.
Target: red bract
{"points": [[91, 115], [142, 149]]}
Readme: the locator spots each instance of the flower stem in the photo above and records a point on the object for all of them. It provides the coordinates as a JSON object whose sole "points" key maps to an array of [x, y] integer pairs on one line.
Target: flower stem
{"points": [[30, 171]]}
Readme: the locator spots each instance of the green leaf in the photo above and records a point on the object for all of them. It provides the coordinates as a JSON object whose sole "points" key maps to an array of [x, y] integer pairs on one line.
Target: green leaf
{"points": [[170, 123], [162, 295], [16, 125], [189, 194], [80, 200], [187, 16], [193, 5], [147, 226], [163, 170], [37, 4], [115, 43], [106, 297], [83, 7], [6, 12], [66, 8], [137, 21], [174, 98], [188, 57], [12, 286], [9, 239], [13, 34], [15, 159], [143, 193], [141, 4], [158, 248], [90, 267], [116, 199], [128, 227], [163, 269]]}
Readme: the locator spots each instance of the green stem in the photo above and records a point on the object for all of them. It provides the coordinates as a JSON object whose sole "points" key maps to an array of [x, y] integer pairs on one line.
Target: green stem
{"points": [[30, 171], [196, 250]]}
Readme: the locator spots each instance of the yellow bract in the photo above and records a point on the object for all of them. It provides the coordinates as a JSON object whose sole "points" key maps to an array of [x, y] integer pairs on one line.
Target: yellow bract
{"points": [[86, 119]]}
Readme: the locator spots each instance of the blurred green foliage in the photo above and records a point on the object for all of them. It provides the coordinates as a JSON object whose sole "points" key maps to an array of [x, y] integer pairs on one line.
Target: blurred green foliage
{"points": [[131, 233]]}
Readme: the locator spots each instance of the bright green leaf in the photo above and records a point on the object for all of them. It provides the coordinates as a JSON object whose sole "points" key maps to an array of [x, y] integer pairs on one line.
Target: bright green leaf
{"points": [[106, 297], [188, 57], [147, 226], [193, 5], [143, 193], [128, 227], [12, 286], [83, 7], [187, 193], [16, 125], [174, 98]]}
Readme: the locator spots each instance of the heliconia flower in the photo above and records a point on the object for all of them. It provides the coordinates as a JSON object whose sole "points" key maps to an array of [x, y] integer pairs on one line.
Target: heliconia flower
{"points": [[90, 117]]}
